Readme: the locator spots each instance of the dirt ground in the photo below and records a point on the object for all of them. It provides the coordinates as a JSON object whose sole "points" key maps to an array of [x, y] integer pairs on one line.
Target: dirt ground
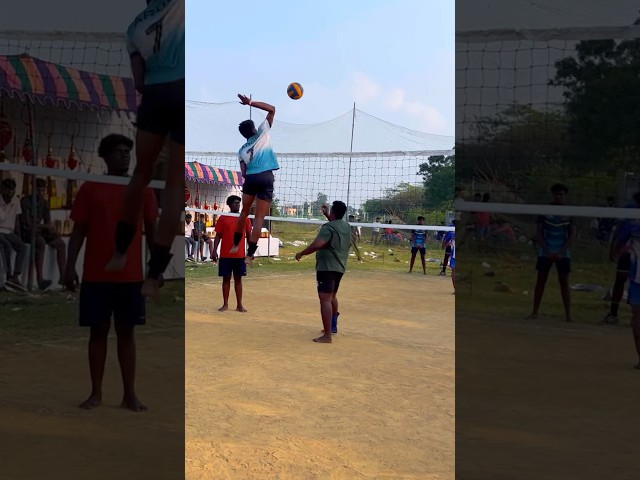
{"points": [[545, 400], [43, 434], [264, 401]]}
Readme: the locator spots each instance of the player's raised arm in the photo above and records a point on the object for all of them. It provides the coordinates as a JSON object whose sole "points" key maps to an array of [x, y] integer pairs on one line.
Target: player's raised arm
{"points": [[270, 109]]}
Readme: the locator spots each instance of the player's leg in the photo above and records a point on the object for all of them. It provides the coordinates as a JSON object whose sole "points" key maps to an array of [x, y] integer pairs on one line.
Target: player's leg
{"points": [[423, 252], [239, 271], [225, 271], [247, 203], [334, 302], [633, 298], [129, 311], [262, 210], [414, 252], [61, 256], [622, 273], [564, 269], [95, 313], [447, 254], [543, 266], [326, 286], [210, 243]]}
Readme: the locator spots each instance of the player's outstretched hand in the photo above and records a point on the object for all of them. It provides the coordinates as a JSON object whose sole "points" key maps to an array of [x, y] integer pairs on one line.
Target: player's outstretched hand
{"points": [[298, 256], [244, 100]]}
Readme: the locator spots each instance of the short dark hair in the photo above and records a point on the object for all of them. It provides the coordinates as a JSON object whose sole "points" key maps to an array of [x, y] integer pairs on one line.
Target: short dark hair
{"points": [[559, 187], [338, 209], [233, 198], [247, 128], [8, 183], [110, 142], [40, 183], [188, 215], [420, 217]]}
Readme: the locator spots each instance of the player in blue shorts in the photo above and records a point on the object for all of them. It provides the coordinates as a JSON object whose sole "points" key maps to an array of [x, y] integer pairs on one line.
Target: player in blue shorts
{"points": [[452, 261], [418, 244], [155, 41], [257, 163], [555, 236], [629, 236], [446, 246]]}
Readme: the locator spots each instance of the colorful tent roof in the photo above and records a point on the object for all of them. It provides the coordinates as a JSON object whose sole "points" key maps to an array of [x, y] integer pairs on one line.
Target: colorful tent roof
{"points": [[54, 84], [206, 174]]}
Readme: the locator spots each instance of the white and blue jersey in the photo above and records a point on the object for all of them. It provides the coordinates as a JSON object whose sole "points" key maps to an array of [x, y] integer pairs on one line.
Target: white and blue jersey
{"points": [[157, 34], [452, 258], [257, 153], [555, 232], [449, 236], [419, 238]]}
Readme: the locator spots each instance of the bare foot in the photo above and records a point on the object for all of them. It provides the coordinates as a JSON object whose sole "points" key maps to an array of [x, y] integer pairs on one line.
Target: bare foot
{"points": [[223, 308], [92, 402], [234, 249], [323, 339], [533, 316], [133, 404], [637, 367], [241, 309], [248, 261], [117, 263], [150, 288], [570, 320]]}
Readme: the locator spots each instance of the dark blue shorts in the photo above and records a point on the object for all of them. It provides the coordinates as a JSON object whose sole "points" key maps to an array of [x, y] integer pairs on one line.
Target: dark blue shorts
{"points": [[100, 301], [423, 250], [235, 266], [259, 185], [544, 264], [161, 110]]}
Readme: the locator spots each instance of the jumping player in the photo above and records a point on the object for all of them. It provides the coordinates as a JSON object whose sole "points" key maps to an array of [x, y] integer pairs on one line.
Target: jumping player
{"points": [[257, 163], [155, 41]]}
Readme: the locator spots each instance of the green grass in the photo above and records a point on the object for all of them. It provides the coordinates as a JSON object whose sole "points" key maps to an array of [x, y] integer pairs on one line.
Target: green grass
{"points": [[390, 258], [477, 293], [28, 317]]}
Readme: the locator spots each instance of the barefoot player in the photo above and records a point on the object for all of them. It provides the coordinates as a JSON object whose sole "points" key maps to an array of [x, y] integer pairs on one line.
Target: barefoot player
{"points": [[332, 250]]}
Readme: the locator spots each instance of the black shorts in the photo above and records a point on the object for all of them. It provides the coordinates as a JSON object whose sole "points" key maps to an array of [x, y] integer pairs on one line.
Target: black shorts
{"points": [[161, 110], [328, 282], [100, 300], [235, 266], [544, 264], [624, 263], [259, 185], [447, 249], [423, 250]]}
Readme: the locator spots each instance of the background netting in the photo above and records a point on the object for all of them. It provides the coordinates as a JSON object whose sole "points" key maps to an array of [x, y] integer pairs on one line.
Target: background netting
{"points": [[386, 175], [60, 94], [535, 108]]}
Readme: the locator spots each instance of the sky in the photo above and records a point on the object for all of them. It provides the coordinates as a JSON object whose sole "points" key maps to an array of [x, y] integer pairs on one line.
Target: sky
{"points": [[393, 58]]}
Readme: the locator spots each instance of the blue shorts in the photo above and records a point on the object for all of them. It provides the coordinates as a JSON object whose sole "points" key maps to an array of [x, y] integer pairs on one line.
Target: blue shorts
{"points": [[99, 301], [414, 250], [633, 294], [452, 263], [235, 266]]}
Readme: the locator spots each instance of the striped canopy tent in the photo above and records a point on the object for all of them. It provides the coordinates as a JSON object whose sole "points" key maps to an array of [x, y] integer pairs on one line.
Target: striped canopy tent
{"points": [[56, 85], [201, 173]]}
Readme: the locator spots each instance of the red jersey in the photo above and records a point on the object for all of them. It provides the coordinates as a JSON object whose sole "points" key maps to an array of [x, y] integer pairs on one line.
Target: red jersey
{"points": [[98, 206], [226, 225]]}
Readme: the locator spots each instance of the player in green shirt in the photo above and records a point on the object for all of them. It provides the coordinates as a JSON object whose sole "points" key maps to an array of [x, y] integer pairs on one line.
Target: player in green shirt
{"points": [[331, 247]]}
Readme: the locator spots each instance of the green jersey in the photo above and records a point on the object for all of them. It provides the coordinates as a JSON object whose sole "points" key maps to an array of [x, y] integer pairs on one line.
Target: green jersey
{"points": [[333, 256]]}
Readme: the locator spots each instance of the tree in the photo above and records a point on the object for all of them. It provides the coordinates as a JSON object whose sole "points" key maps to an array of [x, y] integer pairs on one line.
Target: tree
{"points": [[439, 173], [602, 94], [316, 205], [398, 201]]}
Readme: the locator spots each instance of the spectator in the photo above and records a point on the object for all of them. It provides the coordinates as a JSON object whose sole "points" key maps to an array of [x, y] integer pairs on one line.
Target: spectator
{"points": [[9, 211], [188, 238]]}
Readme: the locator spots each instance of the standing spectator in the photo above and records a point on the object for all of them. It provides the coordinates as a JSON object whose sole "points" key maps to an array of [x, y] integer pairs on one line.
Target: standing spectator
{"points": [[375, 233], [188, 238]]}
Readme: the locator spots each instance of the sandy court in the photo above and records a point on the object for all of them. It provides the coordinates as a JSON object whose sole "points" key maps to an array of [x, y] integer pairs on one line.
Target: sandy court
{"points": [[264, 401], [545, 400], [45, 435]]}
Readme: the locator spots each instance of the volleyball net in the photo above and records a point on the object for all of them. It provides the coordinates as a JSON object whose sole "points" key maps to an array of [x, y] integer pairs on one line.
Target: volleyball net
{"points": [[536, 109], [61, 93]]}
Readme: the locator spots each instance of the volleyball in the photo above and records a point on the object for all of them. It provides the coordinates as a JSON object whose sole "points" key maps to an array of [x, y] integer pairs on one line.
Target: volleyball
{"points": [[295, 91]]}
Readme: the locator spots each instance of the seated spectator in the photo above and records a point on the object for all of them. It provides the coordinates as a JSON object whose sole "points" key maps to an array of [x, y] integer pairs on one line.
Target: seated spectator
{"points": [[9, 240]]}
